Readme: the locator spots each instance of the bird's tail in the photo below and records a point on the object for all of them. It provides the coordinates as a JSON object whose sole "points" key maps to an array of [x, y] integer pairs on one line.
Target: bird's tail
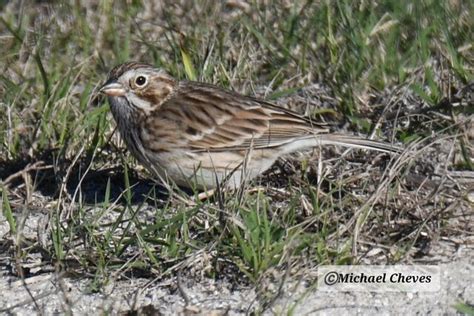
{"points": [[357, 142]]}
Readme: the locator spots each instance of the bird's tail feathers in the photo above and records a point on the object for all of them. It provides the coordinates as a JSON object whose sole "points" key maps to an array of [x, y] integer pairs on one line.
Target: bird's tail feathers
{"points": [[356, 142]]}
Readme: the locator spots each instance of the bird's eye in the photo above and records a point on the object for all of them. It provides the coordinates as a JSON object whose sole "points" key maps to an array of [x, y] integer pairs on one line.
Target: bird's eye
{"points": [[140, 81]]}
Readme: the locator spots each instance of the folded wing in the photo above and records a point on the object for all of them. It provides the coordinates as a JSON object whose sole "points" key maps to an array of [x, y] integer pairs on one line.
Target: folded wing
{"points": [[213, 119]]}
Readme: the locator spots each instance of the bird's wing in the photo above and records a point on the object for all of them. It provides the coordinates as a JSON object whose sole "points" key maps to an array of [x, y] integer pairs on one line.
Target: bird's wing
{"points": [[213, 119]]}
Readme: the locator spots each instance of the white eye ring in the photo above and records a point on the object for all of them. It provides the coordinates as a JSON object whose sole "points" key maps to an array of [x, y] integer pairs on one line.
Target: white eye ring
{"points": [[141, 81]]}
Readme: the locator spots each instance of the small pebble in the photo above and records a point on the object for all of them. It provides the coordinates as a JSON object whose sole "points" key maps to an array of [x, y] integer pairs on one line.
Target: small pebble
{"points": [[470, 196]]}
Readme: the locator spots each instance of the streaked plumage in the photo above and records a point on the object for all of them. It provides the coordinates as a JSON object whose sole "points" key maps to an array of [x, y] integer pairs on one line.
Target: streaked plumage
{"points": [[192, 133]]}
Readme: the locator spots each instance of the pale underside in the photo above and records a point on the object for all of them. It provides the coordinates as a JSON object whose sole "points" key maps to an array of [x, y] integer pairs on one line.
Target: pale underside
{"points": [[204, 170]]}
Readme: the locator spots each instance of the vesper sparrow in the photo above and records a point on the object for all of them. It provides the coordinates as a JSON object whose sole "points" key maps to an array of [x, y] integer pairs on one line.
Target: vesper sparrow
{"points": [[198, 134]]}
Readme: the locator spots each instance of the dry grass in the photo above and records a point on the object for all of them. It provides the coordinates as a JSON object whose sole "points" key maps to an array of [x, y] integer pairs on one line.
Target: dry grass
{"points": [[76, 203]]}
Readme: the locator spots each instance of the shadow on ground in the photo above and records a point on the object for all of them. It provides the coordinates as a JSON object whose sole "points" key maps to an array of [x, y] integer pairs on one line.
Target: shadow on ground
{"points": [[48, 176]]}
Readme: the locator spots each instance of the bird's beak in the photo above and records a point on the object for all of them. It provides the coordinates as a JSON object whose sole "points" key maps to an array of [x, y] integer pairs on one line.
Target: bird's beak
{"points": [[113, 89]]}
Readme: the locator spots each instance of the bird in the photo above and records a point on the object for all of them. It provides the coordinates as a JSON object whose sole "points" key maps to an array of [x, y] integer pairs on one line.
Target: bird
{"points": [[202, 136]]}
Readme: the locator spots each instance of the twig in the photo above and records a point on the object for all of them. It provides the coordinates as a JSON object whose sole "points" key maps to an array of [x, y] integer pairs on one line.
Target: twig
{"points": [[38, 165], [181, 289]]}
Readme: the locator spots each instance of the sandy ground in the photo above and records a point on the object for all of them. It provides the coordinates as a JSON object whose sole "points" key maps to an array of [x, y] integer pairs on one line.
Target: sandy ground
{"points": [[206, 297], [58, 294]]}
